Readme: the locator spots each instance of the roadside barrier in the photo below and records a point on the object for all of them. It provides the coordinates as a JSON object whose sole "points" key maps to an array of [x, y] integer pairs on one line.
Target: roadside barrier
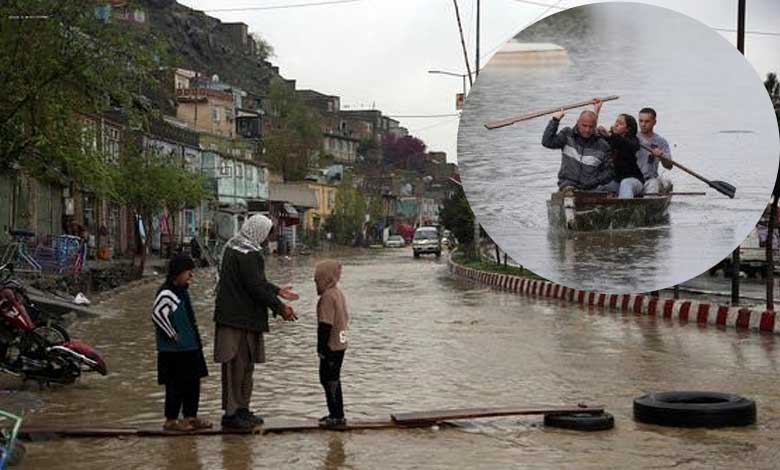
{"points": [[682, 310]]}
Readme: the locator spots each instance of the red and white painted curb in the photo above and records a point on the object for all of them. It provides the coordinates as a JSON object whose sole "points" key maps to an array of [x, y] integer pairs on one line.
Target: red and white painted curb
{"points": [[685, 311]]}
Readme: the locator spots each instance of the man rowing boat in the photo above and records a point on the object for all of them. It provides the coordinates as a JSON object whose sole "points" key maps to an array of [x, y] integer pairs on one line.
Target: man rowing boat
{"points": [[648, 162], [585, 156]]}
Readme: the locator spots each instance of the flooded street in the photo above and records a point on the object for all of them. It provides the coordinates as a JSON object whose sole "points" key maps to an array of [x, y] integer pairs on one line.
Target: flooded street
{"points": [[423, 340], [508, 175]]}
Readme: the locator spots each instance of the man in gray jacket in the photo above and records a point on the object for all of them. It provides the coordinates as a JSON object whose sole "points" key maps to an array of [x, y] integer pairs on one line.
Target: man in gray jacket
{"points": [[585, 156]]}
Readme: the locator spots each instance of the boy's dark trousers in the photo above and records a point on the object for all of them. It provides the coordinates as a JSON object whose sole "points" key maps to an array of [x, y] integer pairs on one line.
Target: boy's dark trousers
{"points": [[330, 378], [182, 395]]}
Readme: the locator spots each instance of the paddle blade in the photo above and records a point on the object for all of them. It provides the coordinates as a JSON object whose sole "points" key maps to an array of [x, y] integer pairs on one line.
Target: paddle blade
{"points": [[724, 188]]}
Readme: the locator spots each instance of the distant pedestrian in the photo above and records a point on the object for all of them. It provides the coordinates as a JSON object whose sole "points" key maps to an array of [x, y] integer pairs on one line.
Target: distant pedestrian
{"points": [[180, 361], [332, 325]]}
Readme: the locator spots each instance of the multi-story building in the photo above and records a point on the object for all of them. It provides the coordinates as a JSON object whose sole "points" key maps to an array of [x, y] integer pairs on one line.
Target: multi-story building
{"points": [[181, 145], [207, 110], [343, 149], [237, 36], [120, 10], [369, 126], [338, 140], [326, 202]]}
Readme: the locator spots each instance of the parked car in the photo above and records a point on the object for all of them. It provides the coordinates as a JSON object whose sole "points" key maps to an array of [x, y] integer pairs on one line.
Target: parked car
{"points": [[426, 241], [395, 241]]}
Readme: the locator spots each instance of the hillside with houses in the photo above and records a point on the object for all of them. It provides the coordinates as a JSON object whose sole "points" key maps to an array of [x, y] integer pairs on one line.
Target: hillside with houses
{"points": [[219, 110]]}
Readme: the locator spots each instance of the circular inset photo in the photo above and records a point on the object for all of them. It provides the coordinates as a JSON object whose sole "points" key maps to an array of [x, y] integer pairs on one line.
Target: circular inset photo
{"points": [[618, 147]]}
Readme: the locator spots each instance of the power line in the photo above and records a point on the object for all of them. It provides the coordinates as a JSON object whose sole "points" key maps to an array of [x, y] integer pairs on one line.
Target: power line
{"points": [[279, 7], [437, 124]]}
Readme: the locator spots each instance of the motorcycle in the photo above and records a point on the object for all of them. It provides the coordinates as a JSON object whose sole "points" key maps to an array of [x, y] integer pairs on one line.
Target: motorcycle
{"points": [[38, 349]]}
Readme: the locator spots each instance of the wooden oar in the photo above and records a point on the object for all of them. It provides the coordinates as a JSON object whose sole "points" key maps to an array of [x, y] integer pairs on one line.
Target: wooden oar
{"points": [[675, 194], [719, 186], [524, 117]]}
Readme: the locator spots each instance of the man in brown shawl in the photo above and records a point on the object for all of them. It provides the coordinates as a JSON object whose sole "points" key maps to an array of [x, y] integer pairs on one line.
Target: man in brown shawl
{"points": [[244, 297]]}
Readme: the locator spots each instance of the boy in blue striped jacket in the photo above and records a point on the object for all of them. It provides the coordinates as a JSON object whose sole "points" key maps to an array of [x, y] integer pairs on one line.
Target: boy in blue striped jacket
{"points": [[180, 361]]}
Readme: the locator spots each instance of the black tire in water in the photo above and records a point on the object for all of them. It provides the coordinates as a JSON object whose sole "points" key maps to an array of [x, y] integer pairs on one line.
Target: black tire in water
{"points": [[581, 421], [695, 409]]}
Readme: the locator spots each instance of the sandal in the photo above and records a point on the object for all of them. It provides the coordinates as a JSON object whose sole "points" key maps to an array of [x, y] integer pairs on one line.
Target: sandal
{"points": [[178, 426], [333, 423], [198, 423]]}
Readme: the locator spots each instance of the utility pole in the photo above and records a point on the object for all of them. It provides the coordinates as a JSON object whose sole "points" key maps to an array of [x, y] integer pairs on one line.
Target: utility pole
{"points": [[476, 62], [735, 256], [477, 229], [462, 41], [741, 26]]}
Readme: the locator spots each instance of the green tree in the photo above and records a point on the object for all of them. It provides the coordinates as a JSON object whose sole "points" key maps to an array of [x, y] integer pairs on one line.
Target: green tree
{"points": [[773, 88], [376, 209], [60, 63], [772, 85], [148, 182], [295, 133], [369, 148], [264, 49], [348, 215], [457, 217]]}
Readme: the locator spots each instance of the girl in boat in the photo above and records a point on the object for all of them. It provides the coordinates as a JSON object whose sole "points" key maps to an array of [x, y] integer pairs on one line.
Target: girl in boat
{"points": [[628, 180]]}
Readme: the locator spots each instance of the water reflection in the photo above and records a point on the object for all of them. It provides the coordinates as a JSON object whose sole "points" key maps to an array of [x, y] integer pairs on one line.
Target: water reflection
{"points": [[183, 454], [431, 343], [336, 456]]}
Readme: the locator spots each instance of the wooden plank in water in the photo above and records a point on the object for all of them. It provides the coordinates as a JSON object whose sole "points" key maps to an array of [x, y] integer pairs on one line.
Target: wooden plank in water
{"points": [[278, 426], [397, 421], [158, 431], [469, 413], [43, 433]]}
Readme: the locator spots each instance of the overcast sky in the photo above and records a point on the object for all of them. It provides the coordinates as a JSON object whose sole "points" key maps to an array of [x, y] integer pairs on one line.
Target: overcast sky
{"points": [[376, 53]]}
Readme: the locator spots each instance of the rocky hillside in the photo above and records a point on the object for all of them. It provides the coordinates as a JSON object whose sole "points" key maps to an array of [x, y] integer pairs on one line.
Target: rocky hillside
{"points": [[196, 44]]}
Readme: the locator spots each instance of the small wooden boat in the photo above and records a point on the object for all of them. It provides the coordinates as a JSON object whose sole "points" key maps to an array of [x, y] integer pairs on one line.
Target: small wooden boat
{"points": [[585, 211]]}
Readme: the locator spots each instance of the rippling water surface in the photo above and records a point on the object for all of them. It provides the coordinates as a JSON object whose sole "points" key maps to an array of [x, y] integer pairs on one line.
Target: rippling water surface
{"points": [[421, 340]]}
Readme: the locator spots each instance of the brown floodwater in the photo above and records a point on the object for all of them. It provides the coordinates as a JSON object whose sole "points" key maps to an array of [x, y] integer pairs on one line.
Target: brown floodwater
{"points": [[422, 340]]}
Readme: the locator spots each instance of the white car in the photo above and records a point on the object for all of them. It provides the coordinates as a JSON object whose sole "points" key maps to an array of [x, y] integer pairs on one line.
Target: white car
{"points": [[426, 240], [395, 241]]}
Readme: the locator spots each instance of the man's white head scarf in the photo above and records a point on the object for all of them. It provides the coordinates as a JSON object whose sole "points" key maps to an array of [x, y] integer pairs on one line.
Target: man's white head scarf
{"points": [[255, 230], [251, 236]]}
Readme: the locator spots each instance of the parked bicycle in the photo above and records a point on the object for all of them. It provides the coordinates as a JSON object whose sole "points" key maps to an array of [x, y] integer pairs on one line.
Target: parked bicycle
{"points": [[18, 252], [12, 450]]}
